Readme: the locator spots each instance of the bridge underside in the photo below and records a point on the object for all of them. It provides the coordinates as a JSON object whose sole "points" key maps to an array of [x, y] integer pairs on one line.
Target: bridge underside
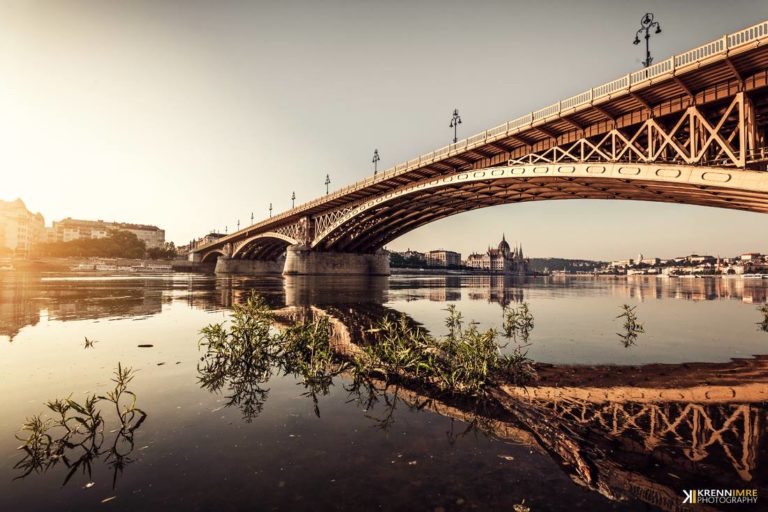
{"points": [[370, 227]]}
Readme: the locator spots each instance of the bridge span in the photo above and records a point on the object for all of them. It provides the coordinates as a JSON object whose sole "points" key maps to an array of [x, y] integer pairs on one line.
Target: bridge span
{"points": [[690, 130]]}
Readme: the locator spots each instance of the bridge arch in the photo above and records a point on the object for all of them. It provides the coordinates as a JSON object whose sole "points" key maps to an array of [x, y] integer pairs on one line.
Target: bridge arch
{"points": [[264, 246], [369, 225], [211, 256]]}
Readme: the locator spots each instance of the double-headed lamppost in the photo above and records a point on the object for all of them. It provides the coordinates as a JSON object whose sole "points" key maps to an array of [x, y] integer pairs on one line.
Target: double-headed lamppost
{"points": [[327, 182], [375, 161], [646, 24], [455, 122], [293, 199]]}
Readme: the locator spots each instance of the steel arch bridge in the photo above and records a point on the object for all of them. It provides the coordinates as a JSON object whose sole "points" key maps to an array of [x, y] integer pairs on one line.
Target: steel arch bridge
{"points": [[690, 130]]}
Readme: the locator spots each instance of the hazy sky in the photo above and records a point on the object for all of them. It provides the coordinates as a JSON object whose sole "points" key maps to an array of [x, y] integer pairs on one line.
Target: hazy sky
{"points": [[191, 115]]}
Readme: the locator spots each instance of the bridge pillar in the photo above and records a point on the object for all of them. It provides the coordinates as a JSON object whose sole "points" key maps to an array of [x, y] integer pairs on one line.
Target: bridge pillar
{"points": [[251, 267], [300, 260]]}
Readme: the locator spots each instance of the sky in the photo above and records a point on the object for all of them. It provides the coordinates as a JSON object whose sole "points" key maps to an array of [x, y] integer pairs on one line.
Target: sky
{"points": [[191, 115]]}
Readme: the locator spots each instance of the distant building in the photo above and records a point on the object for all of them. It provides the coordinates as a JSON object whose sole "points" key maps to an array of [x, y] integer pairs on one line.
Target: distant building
{"points": [[443, 258], [751, 256], [502, 260], [210, 237], [74, 229], [414, 255], [20, 229]]}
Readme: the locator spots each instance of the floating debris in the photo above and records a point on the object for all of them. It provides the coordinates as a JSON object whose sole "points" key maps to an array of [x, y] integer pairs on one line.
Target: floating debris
{"points": [[146, 345], [106, 500], [89, 485], [507, 457]]}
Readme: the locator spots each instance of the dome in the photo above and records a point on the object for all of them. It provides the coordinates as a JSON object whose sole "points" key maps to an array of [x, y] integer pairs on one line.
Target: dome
{"points": [[503, 245]]}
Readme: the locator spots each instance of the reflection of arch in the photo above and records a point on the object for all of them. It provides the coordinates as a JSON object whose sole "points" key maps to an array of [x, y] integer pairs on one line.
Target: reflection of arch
{"points": [[370, 225], [264, 246], [212, 256]]}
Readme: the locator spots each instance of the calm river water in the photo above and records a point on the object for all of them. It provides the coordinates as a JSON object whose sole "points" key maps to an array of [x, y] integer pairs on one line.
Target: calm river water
{"points": [[586, 442]]}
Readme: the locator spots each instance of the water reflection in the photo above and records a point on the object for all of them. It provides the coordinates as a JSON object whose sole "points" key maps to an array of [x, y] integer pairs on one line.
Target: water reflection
{"points": [[77, 434], [631, 432], [623, 440]]}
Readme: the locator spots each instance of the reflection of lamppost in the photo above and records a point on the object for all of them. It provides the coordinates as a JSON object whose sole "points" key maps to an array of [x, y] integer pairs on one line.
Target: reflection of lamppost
{"points": [[375, 161], [327, 182], [270, 210], [293, 200], [455, 122], [646, 24]]}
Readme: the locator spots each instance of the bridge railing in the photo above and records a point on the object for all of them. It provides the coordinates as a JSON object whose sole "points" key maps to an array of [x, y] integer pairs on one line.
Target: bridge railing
{"points": [[662, 68], [748, 35], [702, 52], [638, 78]]}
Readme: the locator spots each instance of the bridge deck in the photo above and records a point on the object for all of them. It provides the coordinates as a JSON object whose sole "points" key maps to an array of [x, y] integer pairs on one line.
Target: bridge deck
{"points": [[708, 76]]}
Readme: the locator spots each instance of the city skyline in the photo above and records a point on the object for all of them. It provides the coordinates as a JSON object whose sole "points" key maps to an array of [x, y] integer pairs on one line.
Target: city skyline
{"points": [[193, 118]]}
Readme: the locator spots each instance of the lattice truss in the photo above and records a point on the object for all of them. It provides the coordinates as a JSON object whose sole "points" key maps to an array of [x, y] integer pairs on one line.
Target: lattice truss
{"points": [[295, 231], [326, 222], [724, 135], [696, 429], [269, 247]]}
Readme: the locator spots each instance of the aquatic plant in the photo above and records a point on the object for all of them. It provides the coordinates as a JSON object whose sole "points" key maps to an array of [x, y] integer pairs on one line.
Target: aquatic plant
{"points": [[518, 322], [632, 327], [244, 356], [764, 323], [75, 435], [307, 353], [465, 361], [516, 327]]}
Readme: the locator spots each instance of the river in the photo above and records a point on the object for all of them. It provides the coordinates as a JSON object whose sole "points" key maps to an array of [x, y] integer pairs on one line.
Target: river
{"points": [[610, 426]]}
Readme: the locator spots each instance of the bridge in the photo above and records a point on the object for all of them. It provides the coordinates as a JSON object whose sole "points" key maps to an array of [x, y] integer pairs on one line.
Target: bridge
{"points": [[690, 129]]}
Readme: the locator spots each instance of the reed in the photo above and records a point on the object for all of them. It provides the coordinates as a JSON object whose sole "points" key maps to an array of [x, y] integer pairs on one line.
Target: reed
{"points": [[632, 327], [763, 325]]}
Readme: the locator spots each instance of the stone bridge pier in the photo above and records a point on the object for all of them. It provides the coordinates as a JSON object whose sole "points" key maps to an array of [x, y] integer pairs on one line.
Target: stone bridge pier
{"points": [[301, 260]]}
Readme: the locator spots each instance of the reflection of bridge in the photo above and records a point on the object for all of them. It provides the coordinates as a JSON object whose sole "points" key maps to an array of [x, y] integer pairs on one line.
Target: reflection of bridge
{"points": [[622, 441], [690, 129]]}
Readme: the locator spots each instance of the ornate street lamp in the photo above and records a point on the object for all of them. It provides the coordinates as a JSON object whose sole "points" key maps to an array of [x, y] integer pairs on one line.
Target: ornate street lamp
{"points": [[293, 200], [646, 24], [455, 122], [375, 161], [327, 182]]}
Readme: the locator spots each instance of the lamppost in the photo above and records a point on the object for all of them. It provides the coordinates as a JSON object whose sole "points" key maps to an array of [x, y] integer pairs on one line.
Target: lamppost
{"points": [[327, 182], [293, 199], [251, 218], [455, 122], [375, 161], [646, 24], [238, 224], [270, 210]]}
